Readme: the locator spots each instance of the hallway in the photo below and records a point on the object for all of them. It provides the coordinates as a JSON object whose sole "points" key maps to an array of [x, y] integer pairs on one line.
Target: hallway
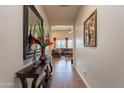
{"points": [[65, 75], [92, 34]]}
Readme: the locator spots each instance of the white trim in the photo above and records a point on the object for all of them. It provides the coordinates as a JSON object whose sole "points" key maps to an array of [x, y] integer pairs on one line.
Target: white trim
{"points": [[6, 85], [82, 77]]}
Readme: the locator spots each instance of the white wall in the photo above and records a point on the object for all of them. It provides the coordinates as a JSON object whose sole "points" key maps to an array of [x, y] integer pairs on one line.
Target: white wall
{"points": [[104, 65], [11, 43]]}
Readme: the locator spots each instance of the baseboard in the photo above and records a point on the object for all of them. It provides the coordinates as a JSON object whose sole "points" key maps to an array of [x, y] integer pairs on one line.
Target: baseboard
{"points": [[6, 85], [84, 80]]}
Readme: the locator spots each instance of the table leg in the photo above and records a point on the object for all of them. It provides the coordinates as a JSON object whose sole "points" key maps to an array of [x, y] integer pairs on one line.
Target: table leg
{"points": [[51, 68], [34, 83], [24, 82]]}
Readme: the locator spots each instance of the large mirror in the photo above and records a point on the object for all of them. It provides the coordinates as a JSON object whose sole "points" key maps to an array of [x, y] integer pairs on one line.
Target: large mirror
{"points": [[31, 22]]}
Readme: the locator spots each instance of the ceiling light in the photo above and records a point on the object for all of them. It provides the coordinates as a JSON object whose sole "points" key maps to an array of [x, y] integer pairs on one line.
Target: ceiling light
{"points": [[70, 32]]}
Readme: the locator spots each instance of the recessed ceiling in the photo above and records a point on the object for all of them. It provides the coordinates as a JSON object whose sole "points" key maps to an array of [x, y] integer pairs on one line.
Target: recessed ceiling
{"points": [[61, 14], [62, 27]]}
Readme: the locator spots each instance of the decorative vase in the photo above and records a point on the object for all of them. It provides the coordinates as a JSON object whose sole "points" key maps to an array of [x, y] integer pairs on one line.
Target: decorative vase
{"points": [[43, 56]]}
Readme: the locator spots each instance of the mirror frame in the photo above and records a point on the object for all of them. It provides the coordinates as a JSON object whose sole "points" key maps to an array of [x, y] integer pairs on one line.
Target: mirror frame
{"points": [[25, 30]]}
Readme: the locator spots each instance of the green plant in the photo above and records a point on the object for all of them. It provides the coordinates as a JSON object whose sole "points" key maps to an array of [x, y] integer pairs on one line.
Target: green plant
{"points": [[41, 40]]}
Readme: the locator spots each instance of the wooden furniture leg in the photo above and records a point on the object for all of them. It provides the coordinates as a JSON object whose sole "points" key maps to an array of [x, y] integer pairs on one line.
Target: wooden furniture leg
{"points": [[51, 69], [34, 83], [24, 82]]}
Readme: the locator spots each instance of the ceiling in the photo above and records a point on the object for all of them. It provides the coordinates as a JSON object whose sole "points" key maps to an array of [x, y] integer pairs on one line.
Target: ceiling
{"points": [[62, 27], [61, 14]]}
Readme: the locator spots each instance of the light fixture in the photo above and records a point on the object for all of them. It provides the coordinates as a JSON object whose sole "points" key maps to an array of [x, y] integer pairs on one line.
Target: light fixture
{"points": [[70, 32]]}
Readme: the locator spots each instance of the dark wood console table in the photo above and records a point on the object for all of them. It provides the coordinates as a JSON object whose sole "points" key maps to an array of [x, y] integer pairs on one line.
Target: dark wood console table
{"points": [[30, 72]]}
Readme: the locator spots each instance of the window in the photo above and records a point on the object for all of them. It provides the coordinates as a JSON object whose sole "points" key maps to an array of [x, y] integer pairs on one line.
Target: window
{"points": [[62, 44], [70, 43], [58, 44]]}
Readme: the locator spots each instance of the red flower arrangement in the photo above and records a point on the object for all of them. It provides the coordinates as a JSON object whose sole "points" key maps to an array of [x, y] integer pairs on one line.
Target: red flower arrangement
{"points": [[42, 41], [33, 42]]}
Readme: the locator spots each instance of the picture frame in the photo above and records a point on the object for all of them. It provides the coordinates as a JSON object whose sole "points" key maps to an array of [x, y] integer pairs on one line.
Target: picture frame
{"points": [[90, 30], [30, 12]]}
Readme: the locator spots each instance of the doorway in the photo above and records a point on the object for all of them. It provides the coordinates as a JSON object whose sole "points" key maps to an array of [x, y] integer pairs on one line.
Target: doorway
{"points": [[63, 42]]}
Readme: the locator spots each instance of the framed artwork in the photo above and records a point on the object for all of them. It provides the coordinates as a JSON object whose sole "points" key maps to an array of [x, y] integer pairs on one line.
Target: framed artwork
{"points": [[90, 30], [31, 21]]}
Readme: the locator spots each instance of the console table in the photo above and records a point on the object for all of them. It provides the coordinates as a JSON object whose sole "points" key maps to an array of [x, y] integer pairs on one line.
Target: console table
{"points": [[30, 72]]}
